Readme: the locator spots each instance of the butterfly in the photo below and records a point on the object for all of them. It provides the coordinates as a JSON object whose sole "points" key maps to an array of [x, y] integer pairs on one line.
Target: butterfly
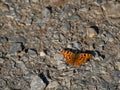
{"points": [[75, 59]]}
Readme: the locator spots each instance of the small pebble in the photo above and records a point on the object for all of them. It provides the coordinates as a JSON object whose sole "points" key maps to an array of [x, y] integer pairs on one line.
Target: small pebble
{"points": [[24, 58], [17, 40], [37, 83], [1, 54], [76, 45], [32, 52], [91, 32], [61, 66], [15, 48], [104, 36], [42, 54], [1, 60], [110, 38], [46, 13], [21, 65], [99, 1], [3, 39], [69, 46], [58, 56], [74, 17], [118, 65], [106, 76], [53, 84]]}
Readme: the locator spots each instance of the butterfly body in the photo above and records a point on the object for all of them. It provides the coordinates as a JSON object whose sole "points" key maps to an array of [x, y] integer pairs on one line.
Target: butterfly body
{"points": [[75, 59]]}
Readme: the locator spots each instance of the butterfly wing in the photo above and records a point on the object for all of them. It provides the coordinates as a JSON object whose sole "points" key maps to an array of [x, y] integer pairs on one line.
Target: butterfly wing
{"points": [[82, 58], [69, 56]]}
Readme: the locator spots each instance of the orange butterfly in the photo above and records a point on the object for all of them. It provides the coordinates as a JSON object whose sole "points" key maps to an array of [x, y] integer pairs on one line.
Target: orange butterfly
{"points": [[75, 59]]}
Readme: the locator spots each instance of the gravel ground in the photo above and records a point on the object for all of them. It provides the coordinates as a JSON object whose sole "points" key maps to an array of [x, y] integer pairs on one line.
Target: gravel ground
{"points": [[33, 33]]}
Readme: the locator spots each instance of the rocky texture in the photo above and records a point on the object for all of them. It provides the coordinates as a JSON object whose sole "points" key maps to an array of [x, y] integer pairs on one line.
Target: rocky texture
{"points": [[33, 32]]}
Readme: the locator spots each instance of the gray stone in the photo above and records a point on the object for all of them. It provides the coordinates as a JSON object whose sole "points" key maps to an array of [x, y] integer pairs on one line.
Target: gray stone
{"points": [[76, 45], [46, 13], [104, 37], [3, 39], [1, 60], [101, 43], [28, 75], [61, 65], [42, 54], [118, 65], [58, 57], [110, 38], [34, 1], [11, 14], [106, 76], [24, 58], [9, 1], [22, 66], [99, 1], [2, 83], [53, 85], [15, 48], [1, 54], [67, 25], [32, 52], [74, 17], [18, 39], [37, 83], [91, 32]]}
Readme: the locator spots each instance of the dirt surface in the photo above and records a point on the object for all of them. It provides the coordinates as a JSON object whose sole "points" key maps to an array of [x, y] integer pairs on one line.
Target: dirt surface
{"points": [[34, 32]]}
